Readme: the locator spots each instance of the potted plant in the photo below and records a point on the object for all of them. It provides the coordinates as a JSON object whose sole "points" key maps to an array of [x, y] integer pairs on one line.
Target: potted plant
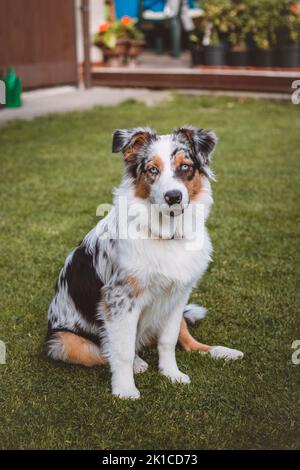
{"points": [[135, 39], [238, 29], [214, 26], [288, 34], [262, 28], [119, 40]]}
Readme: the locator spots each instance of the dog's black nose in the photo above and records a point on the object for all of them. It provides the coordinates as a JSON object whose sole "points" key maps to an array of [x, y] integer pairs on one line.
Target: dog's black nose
{"points": [[173, 197]]}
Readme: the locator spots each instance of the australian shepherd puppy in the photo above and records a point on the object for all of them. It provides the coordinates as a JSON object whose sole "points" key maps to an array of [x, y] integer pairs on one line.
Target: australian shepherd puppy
{"points": [[128, 282]]}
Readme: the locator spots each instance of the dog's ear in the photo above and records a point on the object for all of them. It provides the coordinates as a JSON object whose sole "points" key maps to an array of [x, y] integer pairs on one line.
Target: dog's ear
{"points": [[131, 141], [201, 142]]}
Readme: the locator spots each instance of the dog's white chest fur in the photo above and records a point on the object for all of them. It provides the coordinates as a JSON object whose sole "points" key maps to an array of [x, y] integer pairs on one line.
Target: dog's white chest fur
{"points": [[165, 262]]}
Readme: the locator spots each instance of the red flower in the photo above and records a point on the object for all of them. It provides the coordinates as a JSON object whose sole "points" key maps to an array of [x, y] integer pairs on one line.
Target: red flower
{"points": [[103, 27], [294, 9], [125, 20]]}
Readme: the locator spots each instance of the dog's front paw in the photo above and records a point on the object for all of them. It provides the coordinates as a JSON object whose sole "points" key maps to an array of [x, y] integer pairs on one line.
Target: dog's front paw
{"points": [[130, 393], [139, 365], [176, 376]]}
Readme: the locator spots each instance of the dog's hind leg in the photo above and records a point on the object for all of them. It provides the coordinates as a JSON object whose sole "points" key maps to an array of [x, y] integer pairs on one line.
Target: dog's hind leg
{"points": [[188, 343], [69, 347]]}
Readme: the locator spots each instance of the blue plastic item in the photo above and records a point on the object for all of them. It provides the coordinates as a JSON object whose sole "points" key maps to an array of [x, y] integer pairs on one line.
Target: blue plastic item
{"points": [[128, 8], [192, 4], [154, 5], [131, 7]]}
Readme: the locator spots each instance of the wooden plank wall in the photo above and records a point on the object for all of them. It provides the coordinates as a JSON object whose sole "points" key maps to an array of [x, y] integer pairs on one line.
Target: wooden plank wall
{"points": [[38, 38]]}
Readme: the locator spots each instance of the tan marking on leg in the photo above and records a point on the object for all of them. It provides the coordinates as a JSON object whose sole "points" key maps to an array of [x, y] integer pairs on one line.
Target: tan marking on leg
{"points": [[134, 285], [79, 350], [188, 343]]}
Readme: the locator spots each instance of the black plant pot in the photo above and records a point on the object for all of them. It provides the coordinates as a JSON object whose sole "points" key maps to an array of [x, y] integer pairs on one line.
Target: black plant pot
{"points": [[197, 55], [261, 57], [287, 56], [238, 58], [215, 55]]}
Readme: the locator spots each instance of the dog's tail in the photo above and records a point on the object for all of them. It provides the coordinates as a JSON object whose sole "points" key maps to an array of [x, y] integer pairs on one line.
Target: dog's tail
{"points": [[70, 347], [193, 313]]}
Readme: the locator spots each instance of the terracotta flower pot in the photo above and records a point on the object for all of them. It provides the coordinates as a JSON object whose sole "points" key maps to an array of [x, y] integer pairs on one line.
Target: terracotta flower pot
{"points": [[122, 47], [115, 56], [134, 50]]}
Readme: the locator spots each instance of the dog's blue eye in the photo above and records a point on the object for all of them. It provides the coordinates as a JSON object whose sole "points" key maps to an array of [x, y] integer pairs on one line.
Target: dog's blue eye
{"points": [[184, 167], [153, 170]]}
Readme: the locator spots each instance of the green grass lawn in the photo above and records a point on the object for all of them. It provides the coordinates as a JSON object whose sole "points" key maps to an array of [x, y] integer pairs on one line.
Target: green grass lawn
{"points": [[54, 173]]}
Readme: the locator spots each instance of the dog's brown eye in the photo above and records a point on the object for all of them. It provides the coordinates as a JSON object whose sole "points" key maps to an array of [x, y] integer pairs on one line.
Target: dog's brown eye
{"points": [[153, 170]]}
